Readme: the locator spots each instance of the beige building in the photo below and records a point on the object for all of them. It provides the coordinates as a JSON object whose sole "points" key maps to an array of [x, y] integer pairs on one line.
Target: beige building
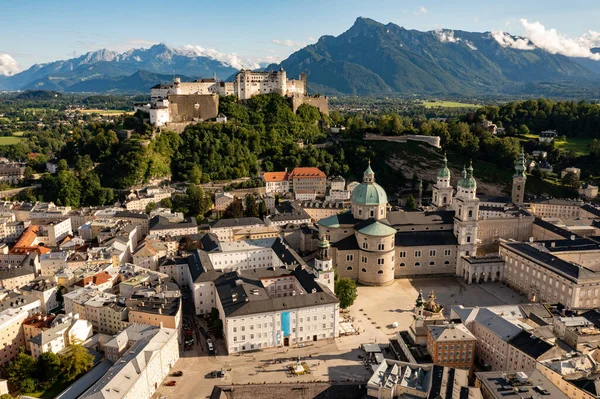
{"points": [[545, 271], [556, 208], [308, 180], [451, 345], [165, 312], [11, 334]]}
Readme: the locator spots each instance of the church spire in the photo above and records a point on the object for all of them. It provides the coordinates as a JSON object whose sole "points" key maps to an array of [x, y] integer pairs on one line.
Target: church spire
{"points": [[520, 166]]}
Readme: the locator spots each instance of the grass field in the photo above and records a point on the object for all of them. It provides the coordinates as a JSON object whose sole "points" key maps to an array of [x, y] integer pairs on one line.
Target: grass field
{"points": [[105, 112], [8, 140], [447, 104], [18, 134], [578, 145]]}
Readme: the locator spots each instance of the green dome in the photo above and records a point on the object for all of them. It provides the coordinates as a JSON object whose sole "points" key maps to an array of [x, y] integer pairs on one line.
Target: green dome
{"points": [[369, 194], [468, 181], [444, 172]]}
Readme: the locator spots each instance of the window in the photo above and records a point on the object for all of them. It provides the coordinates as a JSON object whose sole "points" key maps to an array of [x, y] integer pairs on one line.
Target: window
{"points": [[402, 254], [432, 263], [349, 258], [417, 264], [380, 272], [417, 254], [363, 270], [349, 268], [372, 213], [432, 252], [468, 238], [364, 259], [470, 213], [359, 212], [380, 261], [402, 264], [381, 247], [447, 262], [365, 245], [447, 252]]}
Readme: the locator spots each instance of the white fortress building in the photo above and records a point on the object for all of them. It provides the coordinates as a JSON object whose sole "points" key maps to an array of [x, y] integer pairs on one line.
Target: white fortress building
{"points": [[199, 100]]}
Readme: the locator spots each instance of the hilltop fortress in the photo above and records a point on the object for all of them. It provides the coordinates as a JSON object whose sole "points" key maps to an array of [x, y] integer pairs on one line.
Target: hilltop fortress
{"points": [[184, 102]]}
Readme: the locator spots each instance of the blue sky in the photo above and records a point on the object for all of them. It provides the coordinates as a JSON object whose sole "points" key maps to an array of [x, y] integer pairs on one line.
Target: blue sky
{"points": [[38, 31]]}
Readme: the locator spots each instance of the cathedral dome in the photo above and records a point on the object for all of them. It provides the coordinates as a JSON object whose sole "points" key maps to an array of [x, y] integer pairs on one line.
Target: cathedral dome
{"points": [[368, 192], [468, 181]]}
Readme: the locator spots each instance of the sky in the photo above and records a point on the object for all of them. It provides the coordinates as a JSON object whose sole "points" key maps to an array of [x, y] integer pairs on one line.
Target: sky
{"points": [[41, 31]]}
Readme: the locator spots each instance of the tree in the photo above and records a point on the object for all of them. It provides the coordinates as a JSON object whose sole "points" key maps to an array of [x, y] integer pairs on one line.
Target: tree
{"points": [[76, 361], [262, 209], [251, 206], [234, 210], [21, 368], [62, 165], [27, 385], [150, 207], [166, 203], [411, 203], [48, 368], [28, 173], [571, 179], [59, 295], [523, 130], [345, 290]]}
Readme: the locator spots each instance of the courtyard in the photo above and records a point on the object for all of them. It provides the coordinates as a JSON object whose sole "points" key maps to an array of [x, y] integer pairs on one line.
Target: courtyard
{"points": [[372, 315]]}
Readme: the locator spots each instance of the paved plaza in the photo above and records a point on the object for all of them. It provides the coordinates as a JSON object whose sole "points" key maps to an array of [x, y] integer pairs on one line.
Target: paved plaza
{"points": [[373, 314]]}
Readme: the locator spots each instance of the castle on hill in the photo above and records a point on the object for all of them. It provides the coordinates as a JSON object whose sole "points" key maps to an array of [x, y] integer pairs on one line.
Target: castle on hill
{"points": [[374, 245], [199, 100]]}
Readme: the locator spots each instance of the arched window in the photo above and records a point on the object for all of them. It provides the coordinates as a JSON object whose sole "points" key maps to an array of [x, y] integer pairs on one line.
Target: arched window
{"points": [[445, 200], [417, 264], [468, 238], [470, 213], [447, 262], [349, 268], [380, 272], [364, 270], [372, 213], [402, 264], [359, 212], [432, 263], [459, 210]]}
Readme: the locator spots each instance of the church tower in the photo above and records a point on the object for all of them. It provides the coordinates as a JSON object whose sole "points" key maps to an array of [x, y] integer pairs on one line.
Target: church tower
{"points": [[442, 190], [519, 179], [466, 215], [323, 269]]}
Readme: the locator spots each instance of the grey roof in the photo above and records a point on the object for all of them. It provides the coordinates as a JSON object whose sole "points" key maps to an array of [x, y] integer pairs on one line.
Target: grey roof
{"points": [[242, 293], [495, 382], [420, 218], [162, 223], [129, 214], [529, 344], [568, 270], [591, 209], [50, 334], [554, 228], [488, 319], [421, 238], [450, 332], [167, 306], [578, 244], [347, 244], [237, 222]]}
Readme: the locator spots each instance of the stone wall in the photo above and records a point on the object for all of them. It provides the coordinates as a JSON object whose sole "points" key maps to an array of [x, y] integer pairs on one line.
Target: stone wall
{"points": [[320, 102], [194, 107]]}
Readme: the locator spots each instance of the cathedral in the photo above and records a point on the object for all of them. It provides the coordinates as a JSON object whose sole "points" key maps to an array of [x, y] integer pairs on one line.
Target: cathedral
{"points": [[374, 245]]}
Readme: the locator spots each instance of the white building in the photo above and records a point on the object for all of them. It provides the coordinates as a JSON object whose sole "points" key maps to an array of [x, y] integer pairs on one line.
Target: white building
{"points": [[67, 330], [225, 229], [11, 333], [139, 373], [45, 292], [276, 182]]}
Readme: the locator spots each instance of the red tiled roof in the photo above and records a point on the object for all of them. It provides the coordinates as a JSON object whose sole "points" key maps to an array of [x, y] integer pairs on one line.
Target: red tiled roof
{"points": [[307, 173], [275, 176]]}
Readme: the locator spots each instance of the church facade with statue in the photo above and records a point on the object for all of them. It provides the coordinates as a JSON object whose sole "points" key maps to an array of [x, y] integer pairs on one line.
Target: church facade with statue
{"points": [[373, 244]]}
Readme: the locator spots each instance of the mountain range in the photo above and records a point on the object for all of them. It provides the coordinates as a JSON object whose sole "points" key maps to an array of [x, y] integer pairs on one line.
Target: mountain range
{"points": [[370, 58]]}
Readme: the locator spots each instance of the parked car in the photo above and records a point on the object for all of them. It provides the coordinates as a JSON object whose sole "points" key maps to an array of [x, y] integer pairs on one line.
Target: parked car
{"points": [[216, 374], [177, 373], [203, 332], [211, 347], [171, 383]]}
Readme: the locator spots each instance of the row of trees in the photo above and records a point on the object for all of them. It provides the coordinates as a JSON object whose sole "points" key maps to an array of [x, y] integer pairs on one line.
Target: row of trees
{"points": [[28, 374]]}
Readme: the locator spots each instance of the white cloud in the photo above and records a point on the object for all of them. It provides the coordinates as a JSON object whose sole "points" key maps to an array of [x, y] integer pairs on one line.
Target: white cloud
{"points": [[506, 40], [447, 36], [421, 11], [288, 43], [8, 65], [232, 59], [557, 43], [312, 39]]}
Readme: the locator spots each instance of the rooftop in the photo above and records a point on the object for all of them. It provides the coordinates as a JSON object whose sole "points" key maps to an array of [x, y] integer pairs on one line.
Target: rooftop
{"points": [[527, 383]]}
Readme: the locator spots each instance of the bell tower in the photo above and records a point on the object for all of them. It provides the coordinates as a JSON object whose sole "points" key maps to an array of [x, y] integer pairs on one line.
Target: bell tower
{"points": [[466, 216], [519, 180], [442, 190], [323, 269]]}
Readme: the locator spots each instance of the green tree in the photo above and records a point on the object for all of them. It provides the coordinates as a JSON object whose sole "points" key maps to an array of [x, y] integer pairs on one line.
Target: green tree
{"points": [[571, 179], [166, 203], [262, 209], [75, 361], [345, 290], [523, 130], [27, 385], [150, 207], [21, 368], [28, 173], [62, 165], [48, 368], [234, 210], [411, 203], [251, 206], [199, 203], [59, 295]]}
